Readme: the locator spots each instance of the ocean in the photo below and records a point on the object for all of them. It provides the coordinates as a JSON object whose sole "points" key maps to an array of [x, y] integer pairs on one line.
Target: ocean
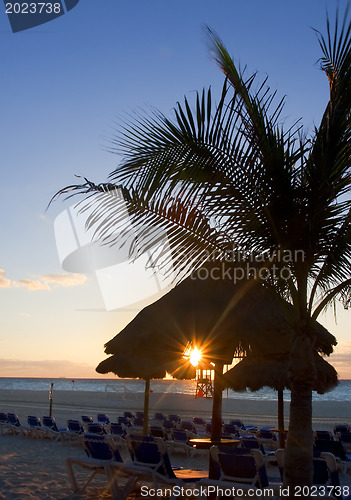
{"points": [[341, 393]]}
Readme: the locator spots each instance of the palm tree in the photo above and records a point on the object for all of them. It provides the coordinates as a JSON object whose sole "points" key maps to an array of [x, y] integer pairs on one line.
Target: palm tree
{"points": [[229, 183]]}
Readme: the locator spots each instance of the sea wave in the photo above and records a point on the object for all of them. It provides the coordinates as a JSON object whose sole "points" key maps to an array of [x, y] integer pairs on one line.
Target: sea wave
{"points": [[341, 393]]}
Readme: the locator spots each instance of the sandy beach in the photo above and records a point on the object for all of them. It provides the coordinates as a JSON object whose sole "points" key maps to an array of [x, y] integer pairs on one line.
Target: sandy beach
{"points": [[35, 469]]}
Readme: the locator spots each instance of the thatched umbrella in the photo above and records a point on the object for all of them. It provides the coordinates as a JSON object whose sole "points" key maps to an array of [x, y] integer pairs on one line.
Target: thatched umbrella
{"points": [[146, 365], [255, 372], [220, 317]]}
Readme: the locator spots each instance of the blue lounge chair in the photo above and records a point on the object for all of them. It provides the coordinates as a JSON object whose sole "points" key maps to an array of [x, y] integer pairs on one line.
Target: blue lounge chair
{"points": [[50, 423], [153, 454], [73, 431], [268, 439], [102, 418], [35, 427], [96, 428], [235, 468], [180, 441], [128, 414], [175, 418], [4, 423], [345, 440], [157, 431], [323, 435], [252, 443], [118, 433], [52, 430], [124, 420], [231, 429], [138, 422], [238, 468], [15, 425], [341, 428], [242, 427], [160, 416], [188, 426], [103, 458], [87, 420]]}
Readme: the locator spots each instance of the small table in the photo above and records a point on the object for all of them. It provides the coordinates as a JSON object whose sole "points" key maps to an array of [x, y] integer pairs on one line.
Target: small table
{"points": [[206, 443]]}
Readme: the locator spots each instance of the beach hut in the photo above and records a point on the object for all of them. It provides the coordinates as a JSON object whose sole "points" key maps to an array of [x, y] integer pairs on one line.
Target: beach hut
{"points": [[221, 318], [256, 372], [148, 364]]}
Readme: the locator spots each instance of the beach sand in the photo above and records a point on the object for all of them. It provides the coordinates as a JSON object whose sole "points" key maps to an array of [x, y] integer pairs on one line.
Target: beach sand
{"points": [[35, 469]]}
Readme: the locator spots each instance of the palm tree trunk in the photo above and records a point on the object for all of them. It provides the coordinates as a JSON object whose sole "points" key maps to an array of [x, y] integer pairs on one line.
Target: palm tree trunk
{"points": [[216, 426], [298, 463], [146, 407], [281, 418]]}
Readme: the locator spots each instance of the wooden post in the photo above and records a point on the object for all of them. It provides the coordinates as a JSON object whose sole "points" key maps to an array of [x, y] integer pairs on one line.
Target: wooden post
{"points": [[216, 427], [146, 407], [51, 390], [281, 418]]}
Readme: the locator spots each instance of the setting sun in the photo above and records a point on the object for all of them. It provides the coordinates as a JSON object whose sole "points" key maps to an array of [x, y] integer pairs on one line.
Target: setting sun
{"points": [[195, 356]]}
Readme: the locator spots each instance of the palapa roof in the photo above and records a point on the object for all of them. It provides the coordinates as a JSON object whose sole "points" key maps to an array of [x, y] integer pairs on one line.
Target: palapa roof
{"points": [[218, 315], [254, 372]]}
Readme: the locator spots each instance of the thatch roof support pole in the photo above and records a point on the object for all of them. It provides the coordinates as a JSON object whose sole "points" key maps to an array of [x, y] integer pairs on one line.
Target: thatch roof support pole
{"points": [[146, 407], [281, 418], [216, 427]]}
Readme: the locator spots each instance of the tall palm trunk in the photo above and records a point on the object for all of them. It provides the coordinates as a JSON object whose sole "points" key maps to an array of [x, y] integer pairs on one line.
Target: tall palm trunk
{"points": [[298, 466], [298, 463]]}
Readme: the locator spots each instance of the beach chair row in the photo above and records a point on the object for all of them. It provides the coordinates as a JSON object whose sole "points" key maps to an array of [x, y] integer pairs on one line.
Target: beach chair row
{"points": [[174, 430], [150, 467], [162, 425]]}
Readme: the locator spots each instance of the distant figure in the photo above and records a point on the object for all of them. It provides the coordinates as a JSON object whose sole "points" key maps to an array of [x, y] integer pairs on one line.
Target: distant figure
{"points": [[200, 394]]}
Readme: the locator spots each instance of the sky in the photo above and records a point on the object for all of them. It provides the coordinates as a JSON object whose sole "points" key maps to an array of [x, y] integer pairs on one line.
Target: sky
{"points": [[64, 85]]}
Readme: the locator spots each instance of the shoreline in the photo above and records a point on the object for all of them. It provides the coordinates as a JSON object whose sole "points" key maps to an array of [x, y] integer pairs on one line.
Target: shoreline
{"points": [[73, 404]]}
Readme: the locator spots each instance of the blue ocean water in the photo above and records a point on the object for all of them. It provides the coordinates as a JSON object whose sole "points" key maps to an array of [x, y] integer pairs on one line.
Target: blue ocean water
{"points": [[341, 393]]}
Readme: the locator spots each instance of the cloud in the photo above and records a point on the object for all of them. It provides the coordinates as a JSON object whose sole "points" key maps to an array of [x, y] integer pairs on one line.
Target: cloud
{"points": [[45, 282], [4, 283], [65, 279], [31, 285], [46, 369], [341, 360]]}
